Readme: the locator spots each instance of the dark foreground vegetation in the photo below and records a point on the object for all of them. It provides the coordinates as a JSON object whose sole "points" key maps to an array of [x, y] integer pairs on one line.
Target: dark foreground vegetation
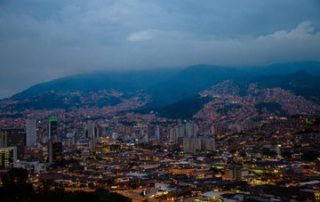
{"points": [[16, 189]]}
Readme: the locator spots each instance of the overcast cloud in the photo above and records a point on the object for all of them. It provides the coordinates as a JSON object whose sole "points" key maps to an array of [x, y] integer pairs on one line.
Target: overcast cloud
{"points": [[45, 39]]}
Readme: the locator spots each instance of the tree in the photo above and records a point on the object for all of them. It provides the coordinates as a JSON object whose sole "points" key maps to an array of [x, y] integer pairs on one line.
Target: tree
{"points": [[15, 177], [311, 155], [15, 186]]}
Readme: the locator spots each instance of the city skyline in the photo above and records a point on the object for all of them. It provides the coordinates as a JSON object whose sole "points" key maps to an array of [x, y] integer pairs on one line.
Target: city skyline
{"points": [[160, 101]]}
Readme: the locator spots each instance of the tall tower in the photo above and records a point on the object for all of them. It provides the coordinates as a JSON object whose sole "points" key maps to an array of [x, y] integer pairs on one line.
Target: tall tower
{"points": [[157, 132], [53, 135], [31, 130], [91, 133]]}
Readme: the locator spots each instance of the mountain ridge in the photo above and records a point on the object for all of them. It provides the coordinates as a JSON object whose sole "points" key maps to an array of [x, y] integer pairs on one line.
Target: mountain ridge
{"points": [[162, 89]]}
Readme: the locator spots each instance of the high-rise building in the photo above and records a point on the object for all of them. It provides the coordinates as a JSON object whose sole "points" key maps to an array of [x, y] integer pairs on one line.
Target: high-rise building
{"points": [[8, 156], [180, 131], [188, 129], [3, 139], [191, 129], [153, 132], [91, 133], [157, 132], [52, 136], [57, 151], [13, 137], [192, 144], [31, 131], [173, 137], [144, 136], [198, 144], [141, 132]]}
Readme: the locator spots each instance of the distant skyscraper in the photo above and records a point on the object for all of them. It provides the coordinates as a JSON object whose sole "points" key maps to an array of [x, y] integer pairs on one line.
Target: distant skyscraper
{"points": [[180, 131], [144, 136], [3, 139], [191, 129], [192, 144], [31, 130], [198, 143], [157, 132], [173, 137], [153, 132], [91, 133], [53, 135]]}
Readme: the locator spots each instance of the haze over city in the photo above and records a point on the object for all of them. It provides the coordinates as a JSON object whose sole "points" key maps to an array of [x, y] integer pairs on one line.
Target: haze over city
{"points": [[41, 40]]}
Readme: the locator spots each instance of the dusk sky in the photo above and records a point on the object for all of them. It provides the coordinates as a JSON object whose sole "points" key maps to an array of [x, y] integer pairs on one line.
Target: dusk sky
{"points": [[42, 40]]}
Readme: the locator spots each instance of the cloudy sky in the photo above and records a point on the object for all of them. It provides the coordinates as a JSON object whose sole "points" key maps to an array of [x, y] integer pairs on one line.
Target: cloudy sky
{"points": [[45, 39]]}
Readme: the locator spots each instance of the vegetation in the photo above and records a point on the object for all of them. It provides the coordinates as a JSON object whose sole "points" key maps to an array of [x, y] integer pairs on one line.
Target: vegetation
{"points": [[311, 155], [184, 109], [16, 189], [300, 83]]}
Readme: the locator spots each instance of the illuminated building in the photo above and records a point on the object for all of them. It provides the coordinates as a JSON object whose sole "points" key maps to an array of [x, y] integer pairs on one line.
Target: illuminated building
{"points": [[317, 196], [235, 172], [8, 156], [13, 137], [180, 171], [210, 197]]}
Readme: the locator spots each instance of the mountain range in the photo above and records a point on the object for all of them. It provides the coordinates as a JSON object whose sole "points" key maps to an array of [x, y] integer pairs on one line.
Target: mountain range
{"points": [[165, 90]]}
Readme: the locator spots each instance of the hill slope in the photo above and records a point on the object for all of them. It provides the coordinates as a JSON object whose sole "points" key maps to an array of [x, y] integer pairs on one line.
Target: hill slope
{"points": [[168, 87]]}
